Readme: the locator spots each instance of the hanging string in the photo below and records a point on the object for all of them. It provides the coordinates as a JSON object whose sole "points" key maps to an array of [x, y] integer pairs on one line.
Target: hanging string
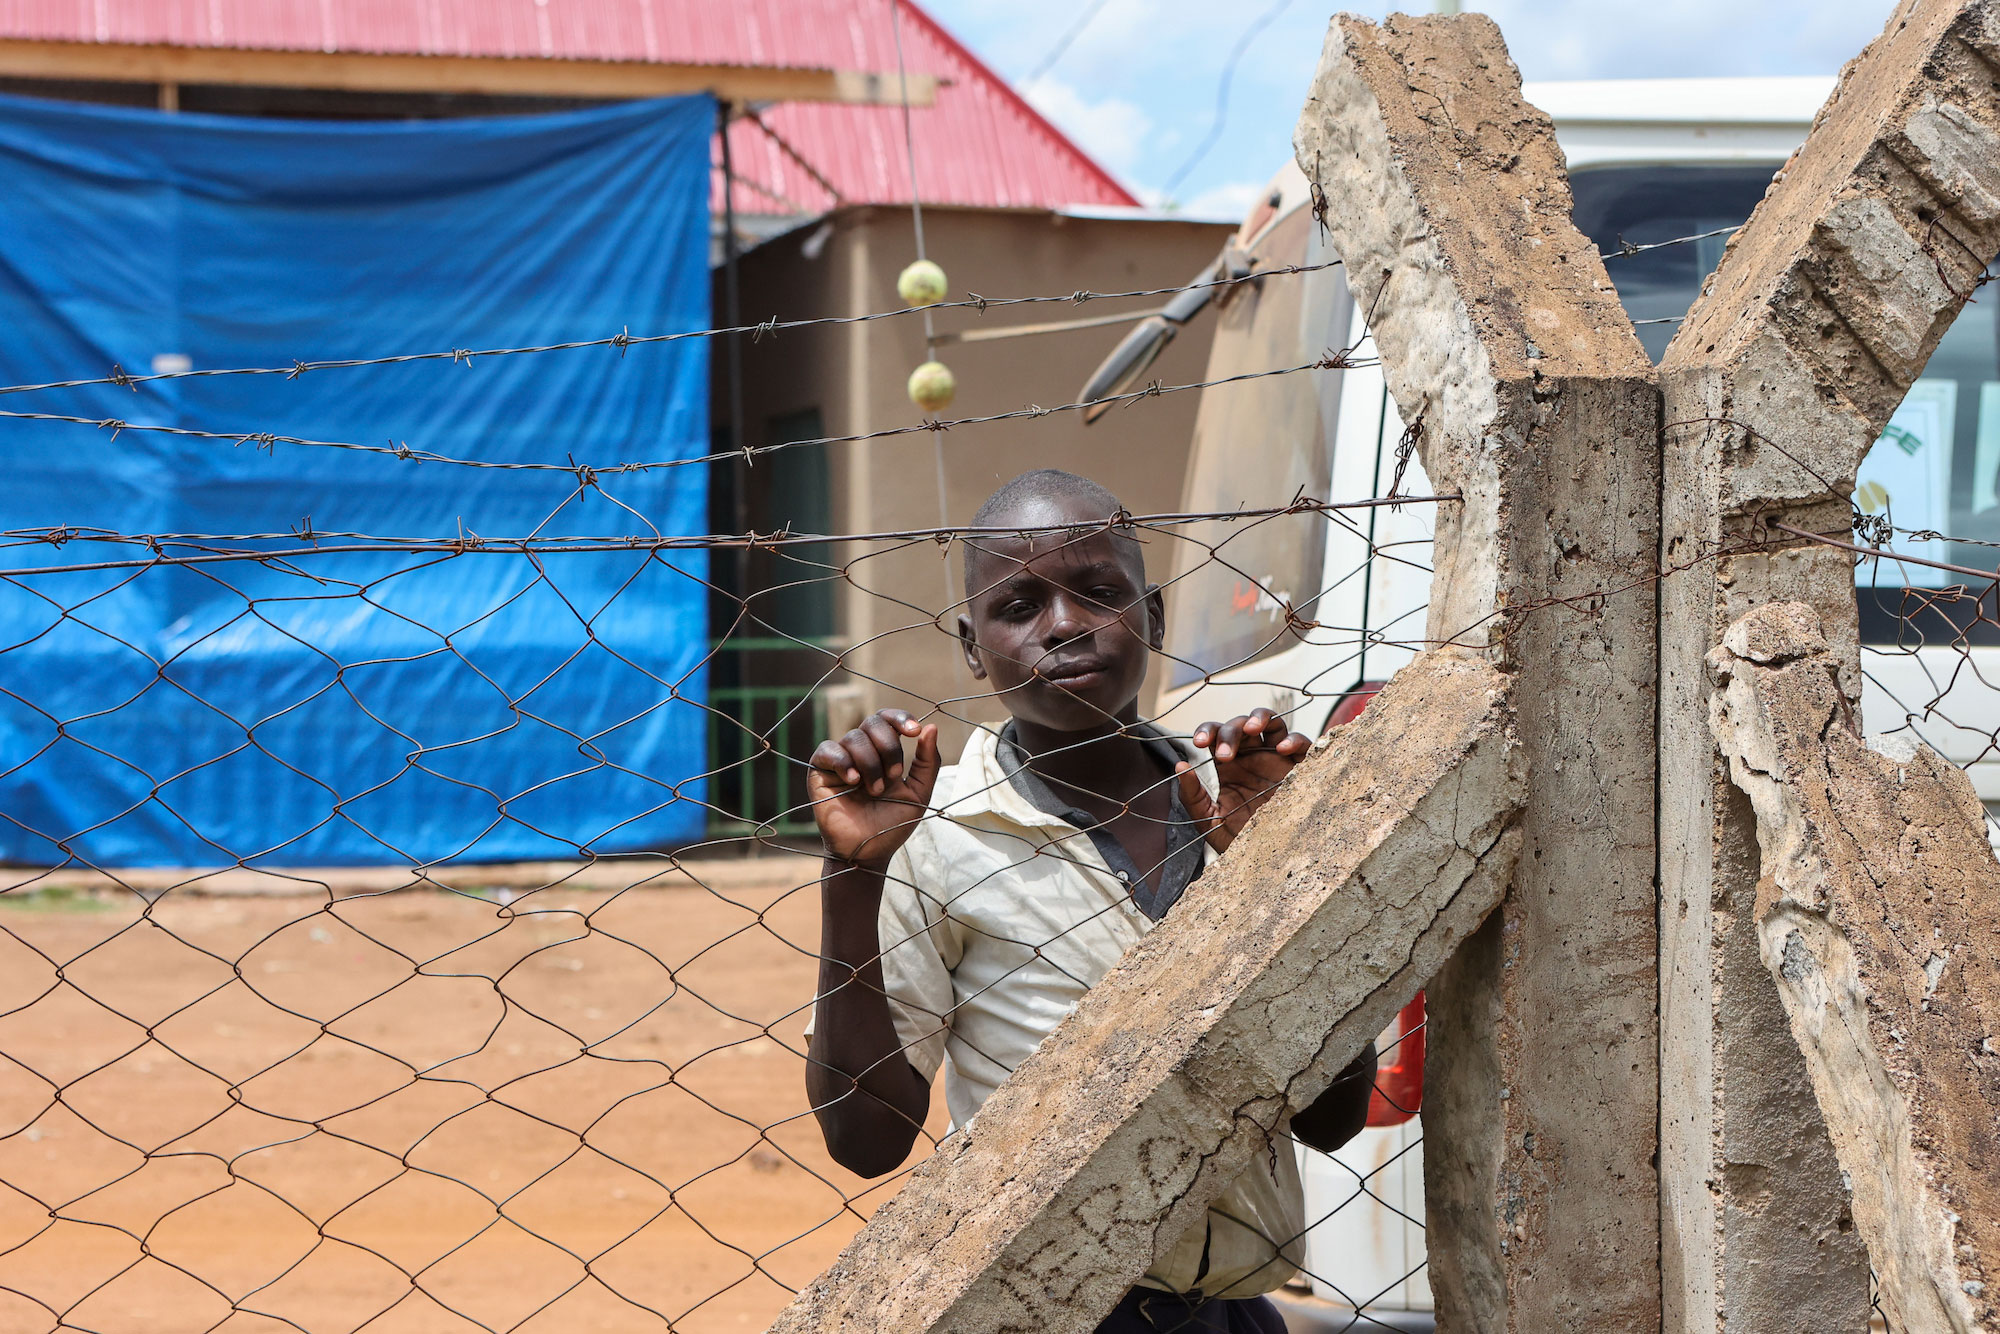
{"points": [[917, 222], [910, 163]]}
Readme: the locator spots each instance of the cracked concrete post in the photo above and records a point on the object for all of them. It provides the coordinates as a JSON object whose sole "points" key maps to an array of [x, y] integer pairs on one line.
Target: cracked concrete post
{"points": [[1361, 876], [1878, 911], [1502, 338], [1822, 313]]}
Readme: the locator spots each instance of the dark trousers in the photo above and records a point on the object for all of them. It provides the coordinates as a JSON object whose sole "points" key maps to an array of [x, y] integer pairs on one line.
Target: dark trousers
{"points": [[1149, 1311]]}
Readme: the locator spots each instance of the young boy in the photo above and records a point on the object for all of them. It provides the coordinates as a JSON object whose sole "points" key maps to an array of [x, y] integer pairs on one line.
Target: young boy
{"points": [[966, 910]]}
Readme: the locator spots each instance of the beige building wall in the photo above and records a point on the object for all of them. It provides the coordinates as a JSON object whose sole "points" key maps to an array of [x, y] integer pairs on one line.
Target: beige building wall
{"points": [[897, 616]]}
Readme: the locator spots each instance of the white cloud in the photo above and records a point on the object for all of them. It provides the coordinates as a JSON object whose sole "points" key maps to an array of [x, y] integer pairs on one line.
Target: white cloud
{"points": [[1111, 130], [1137, 86], [1590, 39], [1231, 201]]}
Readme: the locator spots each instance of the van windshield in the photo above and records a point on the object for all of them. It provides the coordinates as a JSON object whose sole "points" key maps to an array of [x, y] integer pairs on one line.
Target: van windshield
{"points": [[1638, 206]]}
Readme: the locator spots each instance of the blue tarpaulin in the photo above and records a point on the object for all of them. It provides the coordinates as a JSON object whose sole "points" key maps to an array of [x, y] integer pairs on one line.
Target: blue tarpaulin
{"points": [[363, 707]]}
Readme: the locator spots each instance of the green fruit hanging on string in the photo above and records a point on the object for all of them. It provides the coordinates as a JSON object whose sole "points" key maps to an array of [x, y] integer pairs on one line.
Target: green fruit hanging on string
{"points": [[932, 386], [922, 284]]}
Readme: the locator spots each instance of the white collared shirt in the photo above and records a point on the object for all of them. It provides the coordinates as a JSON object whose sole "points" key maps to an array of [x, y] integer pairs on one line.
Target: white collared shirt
{"points": [[996, 918]]}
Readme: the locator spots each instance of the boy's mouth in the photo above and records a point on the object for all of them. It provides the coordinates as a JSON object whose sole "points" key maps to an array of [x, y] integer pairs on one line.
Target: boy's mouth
{"points": [[1072, 673]]}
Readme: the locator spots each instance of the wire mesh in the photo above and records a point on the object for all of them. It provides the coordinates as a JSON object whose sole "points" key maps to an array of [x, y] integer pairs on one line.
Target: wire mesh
{"points": [[1927, 589], [439, 1094], [570, 1094]]}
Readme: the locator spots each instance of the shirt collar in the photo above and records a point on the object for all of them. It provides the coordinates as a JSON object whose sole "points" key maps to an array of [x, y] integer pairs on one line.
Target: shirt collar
{"points": [[1186, 846], [986, 785], [1166, 752]]}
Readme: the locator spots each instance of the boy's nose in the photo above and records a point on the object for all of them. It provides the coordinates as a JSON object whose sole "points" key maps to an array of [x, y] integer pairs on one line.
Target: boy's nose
{"points": [[1067, 623]]}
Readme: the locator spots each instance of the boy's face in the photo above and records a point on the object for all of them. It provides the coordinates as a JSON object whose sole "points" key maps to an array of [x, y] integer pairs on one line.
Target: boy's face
{"points": [[1061, 624]]}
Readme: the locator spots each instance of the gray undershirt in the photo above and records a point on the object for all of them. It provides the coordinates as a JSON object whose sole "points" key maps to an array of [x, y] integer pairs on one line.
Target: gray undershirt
{"points": [[1184, 837]]}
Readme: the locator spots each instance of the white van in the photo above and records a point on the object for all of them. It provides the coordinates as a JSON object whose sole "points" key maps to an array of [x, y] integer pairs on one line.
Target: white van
{"points": [[1650, 161]]}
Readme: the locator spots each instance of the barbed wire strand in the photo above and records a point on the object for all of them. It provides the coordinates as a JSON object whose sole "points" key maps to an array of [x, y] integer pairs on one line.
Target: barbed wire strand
{"points": [[594, 472], [626, 339]]}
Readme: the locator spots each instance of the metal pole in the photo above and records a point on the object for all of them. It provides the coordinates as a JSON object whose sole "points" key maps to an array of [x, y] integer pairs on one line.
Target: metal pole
{"points": [[731, 306]]}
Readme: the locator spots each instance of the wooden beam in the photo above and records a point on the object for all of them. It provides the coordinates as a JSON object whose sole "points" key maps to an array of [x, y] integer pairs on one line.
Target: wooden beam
{"points": [[505, 76]]}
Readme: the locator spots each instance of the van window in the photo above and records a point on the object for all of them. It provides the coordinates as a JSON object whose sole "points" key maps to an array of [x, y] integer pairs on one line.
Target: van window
{"points": [[1618, 206], [1936, 469]]}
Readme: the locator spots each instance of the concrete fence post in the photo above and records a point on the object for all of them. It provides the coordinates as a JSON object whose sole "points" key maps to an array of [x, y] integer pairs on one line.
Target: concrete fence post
{"points": [[1823, 311], [1504, 344], [1877, 908]]}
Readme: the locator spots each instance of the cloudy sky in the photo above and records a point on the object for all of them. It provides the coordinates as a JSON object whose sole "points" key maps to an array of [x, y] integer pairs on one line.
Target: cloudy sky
{"points": [[1139, 82]]}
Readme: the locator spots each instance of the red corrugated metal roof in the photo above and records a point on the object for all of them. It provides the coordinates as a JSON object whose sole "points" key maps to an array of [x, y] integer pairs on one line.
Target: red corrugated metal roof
{"points": [[978, 144]]}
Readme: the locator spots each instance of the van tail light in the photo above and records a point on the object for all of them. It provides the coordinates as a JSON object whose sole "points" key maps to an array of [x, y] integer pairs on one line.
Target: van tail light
{"points": [[1352, 703], [1399, 1071]]}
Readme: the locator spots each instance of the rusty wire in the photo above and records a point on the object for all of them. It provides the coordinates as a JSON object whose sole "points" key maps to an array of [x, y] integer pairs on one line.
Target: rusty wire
{"points": [[624, 339], [445, 1096], [1928, 628], [212, 548], [591, 1026], [625, 1075], [1337, 360], [1627, 249]]}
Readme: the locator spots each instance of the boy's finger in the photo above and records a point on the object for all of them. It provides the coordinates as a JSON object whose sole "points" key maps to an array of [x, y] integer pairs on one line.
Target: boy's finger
{"points": [[1203, 735], [900, 720], [888, 742], [864, 759], [924, 766], [830, 757], [1229, 739], [1262, 728], [1295, 743], [1194, 797]]}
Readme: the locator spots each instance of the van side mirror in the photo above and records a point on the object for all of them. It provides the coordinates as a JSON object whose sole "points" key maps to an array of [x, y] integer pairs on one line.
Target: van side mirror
{"points": [[1134, 353], [1139, 348]]}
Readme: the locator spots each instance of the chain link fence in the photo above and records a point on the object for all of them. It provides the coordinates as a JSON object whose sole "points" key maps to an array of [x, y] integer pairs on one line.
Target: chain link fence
{"points": [[440, 1092]]}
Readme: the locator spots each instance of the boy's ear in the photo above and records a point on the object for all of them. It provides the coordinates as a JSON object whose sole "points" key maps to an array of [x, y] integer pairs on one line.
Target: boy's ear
{"points": [[968, 644], [1156, 618]]}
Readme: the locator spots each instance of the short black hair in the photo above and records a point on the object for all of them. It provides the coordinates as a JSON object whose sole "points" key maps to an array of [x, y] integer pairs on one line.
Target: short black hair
{"points": [[1042, 484], [1001, 508]]}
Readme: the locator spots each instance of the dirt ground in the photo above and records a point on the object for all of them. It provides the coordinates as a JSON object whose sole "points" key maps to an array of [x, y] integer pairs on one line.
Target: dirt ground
{"points": [[568, 1110]]}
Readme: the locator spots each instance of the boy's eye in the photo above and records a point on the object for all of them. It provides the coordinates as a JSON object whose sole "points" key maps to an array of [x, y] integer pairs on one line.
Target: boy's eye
{"points": [[1108, 595], [1015, 610]]}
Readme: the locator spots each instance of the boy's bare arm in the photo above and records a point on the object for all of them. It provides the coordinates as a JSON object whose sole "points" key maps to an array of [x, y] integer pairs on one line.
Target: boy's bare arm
{"points": [[869, 1102], [1340, 1113]]}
